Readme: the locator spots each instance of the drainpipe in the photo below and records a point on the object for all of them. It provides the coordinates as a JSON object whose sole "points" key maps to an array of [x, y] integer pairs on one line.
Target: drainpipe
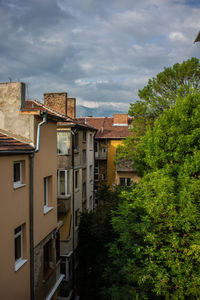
{"points": [[31, 206], [73, 221]]}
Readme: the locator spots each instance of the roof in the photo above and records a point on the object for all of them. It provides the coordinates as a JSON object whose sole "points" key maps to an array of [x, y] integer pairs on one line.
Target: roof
{"points": [[11, 144], [106, 127], [76, 123], [33, 106]]}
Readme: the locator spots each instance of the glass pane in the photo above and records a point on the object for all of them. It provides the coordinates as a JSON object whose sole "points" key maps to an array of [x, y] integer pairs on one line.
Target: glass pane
{"points": [[17, 171], [18, 247], [122, 181], [62, 182], [63, 142]]}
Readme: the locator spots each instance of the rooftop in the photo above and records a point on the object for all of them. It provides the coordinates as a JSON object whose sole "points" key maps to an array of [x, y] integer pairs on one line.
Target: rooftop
{"points": [[8, 143], [107, 128]]}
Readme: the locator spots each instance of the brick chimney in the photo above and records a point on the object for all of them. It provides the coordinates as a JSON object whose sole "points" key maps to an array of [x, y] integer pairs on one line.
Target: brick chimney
{"points": [[120, 119], [60, 103], [71, 107]]}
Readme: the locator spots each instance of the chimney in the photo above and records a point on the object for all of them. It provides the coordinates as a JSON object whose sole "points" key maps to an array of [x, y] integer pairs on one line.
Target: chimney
{"points": [[60, 103], [120, 119], [56, 101], [71, 107]]}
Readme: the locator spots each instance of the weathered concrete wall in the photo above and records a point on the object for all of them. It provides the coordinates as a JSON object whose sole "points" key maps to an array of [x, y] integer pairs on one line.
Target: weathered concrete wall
{"points": [[12, 97], [71, 107]]}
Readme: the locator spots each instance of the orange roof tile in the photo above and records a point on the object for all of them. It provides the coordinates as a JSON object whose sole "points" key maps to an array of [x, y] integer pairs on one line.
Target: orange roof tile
{"points": [[106, 127], [10, 144]]}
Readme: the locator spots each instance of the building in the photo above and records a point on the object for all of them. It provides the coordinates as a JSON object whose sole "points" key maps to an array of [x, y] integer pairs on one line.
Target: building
{"points": [[14, 218], [30, 193], [75, 166], [110, 134]]}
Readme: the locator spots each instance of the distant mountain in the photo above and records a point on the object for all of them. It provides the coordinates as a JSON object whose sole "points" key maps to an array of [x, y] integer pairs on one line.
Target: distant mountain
{"points": [[84, 111]]}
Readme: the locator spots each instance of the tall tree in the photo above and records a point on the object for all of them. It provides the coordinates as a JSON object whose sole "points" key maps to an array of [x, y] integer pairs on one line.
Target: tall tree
{"points": [[157, 249], [159, 94]]}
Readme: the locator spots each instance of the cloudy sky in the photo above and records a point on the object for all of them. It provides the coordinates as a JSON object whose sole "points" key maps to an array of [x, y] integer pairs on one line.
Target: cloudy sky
{"points": [[99, 51]]}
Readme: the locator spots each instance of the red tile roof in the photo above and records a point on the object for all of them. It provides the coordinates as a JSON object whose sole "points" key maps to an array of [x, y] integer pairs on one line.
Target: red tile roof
{"points": [[106, 127], [10, 144], [35, 106]]}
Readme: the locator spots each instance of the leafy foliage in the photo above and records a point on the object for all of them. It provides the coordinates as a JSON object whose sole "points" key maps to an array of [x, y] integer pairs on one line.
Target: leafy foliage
{"points": [[159, 94], [157, 224]]}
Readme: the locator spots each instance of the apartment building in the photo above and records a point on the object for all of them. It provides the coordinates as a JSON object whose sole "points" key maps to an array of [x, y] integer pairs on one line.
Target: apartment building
{"points": [[29, 197], [110, 134], [14, 218], [75, 180]]}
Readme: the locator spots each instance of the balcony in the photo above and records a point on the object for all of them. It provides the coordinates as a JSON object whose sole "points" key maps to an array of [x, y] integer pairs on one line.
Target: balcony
{"points": [[64, 204], [101, 155], [125, 166]]}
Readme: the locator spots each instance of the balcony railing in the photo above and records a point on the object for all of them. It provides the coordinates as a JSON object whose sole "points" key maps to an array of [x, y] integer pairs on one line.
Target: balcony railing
{"points": [[100, 155], [64, 204]]}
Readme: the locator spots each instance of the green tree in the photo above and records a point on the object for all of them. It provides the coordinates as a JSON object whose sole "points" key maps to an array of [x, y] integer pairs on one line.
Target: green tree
{"points": [[159, 94], [157, 225]]}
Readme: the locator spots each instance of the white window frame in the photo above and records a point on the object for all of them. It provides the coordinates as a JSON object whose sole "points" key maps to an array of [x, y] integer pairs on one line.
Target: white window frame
{"points": [[66, 183], [19, 183], [47, 208], [20, 261]]}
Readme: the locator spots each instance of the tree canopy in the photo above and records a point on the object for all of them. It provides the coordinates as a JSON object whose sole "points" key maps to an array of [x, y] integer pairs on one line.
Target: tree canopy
{"points": [[157, 249]]}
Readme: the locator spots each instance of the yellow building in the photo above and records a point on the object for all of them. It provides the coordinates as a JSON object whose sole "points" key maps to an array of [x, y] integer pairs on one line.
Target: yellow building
{"points": [[110, 134]]}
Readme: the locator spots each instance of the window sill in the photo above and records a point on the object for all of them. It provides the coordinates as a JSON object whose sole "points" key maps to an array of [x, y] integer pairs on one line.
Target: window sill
{"points": [[20, 263], [47, 209], [18, 185], [63, 197]]}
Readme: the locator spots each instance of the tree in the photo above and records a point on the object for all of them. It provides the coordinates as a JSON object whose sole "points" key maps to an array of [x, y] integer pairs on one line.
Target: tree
{"points": [[157, 225], [159, 94]]}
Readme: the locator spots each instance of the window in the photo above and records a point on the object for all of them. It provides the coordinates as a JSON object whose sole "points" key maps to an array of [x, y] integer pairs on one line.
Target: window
{"points": [[47, 258], [84, 156], [84, 136], [125, 181], [47, 194], [84, 191], [90, 172], [104, 150], [77, 218], [96, 171], [96, 146], [76, 179], [103, 176], [76, 141], [19, 260], [63, 186], [18, 174], [46, 191], [63, 142], [91, 140]]}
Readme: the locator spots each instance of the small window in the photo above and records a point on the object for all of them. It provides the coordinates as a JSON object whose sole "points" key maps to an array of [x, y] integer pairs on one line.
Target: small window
{"points": [[77, 218], [47, 194], [84, 191], [84, 156], [63, 142], [46, 191], [84, 136], [63, 186], [19, 247], [125, 181], [47, 258], [76, 141], [18, 244], [91, 140], [103, 176], [96, 146], [90, 172], [76, 179], [104, 150], [18, 173]]}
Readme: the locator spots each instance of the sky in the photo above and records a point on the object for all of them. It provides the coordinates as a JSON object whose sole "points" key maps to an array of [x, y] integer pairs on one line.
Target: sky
{"points": [[98, 51]]}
